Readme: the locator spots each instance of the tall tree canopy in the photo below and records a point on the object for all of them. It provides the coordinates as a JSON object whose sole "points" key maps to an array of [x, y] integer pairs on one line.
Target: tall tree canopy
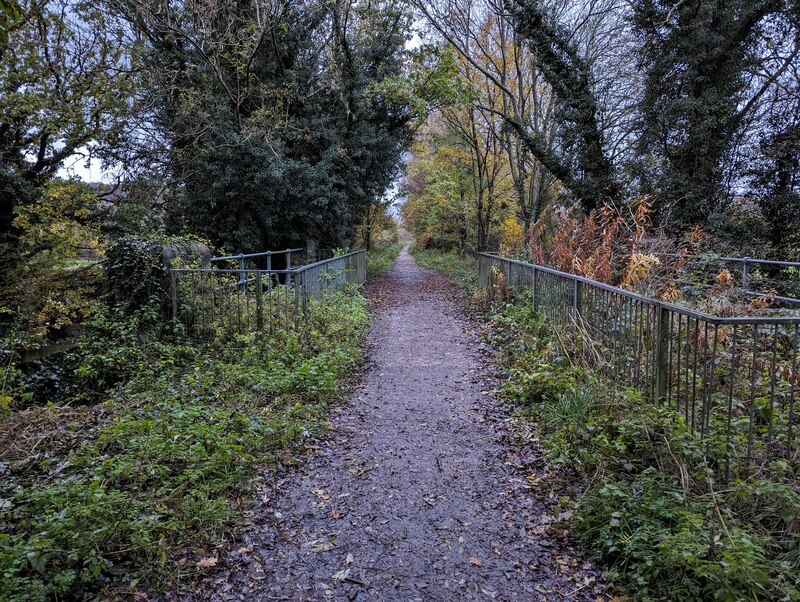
{"points": [[276, 125], [65, 79], [568, 71], [696, 55]]}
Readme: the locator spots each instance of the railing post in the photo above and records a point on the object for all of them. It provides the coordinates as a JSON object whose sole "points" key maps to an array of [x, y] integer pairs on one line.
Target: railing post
{"points": [[297, 297], [288, 259], [745, 275], [242, 285], [662, 358], [576, 299], [173, 286], [259, 303], [533, 290]]}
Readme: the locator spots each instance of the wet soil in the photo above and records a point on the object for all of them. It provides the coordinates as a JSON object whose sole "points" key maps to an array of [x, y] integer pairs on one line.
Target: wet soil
{"points": [[422, 490]]}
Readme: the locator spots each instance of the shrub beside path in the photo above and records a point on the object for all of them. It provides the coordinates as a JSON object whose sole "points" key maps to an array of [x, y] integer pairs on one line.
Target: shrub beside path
{"points": [[419, 492]]}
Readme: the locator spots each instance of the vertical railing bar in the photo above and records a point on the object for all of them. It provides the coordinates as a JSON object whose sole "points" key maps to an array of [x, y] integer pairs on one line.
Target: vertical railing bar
{"points": [[612, 305], [624, 333], [608, 334], [638, 333], [651, 351], [286, 285], [661, 377], [751, 413], [248, 311], [694, 372], [297, 293], [734, 362], [712, 373], [611, 329], [792, 391], [647, 350], [239, 306], [208, 292], [772, 390], [704, 390], [193, 320], [632, 341], [173, 283], [688, 348], [259, 303], [669, 355]]}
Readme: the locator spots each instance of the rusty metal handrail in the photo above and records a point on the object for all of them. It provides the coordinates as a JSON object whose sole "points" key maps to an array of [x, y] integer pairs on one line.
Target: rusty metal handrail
{"points": [[738, 372], [746, 261], [670, 306]]}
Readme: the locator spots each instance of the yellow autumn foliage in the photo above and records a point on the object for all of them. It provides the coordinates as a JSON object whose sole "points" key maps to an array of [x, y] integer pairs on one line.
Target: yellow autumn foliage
{"points": [[639, 266], [512, 235]]}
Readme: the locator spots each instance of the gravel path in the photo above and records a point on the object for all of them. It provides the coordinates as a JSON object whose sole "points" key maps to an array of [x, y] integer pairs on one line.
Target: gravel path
{"points": [[419, 492]]}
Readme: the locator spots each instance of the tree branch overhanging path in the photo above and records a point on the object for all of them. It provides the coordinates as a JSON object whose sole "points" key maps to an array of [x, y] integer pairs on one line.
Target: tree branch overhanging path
{"points": [[586, 170], [418, 492]]}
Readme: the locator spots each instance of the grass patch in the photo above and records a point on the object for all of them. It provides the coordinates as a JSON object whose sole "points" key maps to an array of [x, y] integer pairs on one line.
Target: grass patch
{"points": [[652, 509], [132, 491], [380, 259], [461, 270]]}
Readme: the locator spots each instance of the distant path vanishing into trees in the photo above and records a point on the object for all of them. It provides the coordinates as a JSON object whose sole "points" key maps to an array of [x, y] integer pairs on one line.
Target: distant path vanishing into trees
{"points": [[418, 493]]}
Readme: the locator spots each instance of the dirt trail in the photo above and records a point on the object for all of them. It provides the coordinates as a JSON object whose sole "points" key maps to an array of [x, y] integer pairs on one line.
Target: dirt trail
{"points": [[417, 494]]}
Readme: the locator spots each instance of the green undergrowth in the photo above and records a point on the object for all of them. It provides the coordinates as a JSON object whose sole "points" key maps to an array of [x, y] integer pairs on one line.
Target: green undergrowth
{"points": [[461, 270], [380, 259], [130, 492], [652, 510]]}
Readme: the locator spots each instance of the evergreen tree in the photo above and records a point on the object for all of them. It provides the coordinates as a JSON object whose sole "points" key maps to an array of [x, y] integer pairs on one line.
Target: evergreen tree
{"points": [[276, 128]]}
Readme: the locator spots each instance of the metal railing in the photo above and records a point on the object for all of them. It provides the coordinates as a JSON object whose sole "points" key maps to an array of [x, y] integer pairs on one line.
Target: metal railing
{"points": [[747, 262], [241, 258], [734, 380], [216, 304]]}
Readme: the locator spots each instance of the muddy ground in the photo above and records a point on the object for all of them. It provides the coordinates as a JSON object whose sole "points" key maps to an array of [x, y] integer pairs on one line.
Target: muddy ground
{"points": [[422, 490]]}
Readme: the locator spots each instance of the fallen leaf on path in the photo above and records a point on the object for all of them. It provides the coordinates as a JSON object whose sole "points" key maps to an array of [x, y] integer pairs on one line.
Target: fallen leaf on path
{"points": [[246, 550], [322, 495], [321, 546], [474, 561], [206, 563], [349, 559], [341, 575]]}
